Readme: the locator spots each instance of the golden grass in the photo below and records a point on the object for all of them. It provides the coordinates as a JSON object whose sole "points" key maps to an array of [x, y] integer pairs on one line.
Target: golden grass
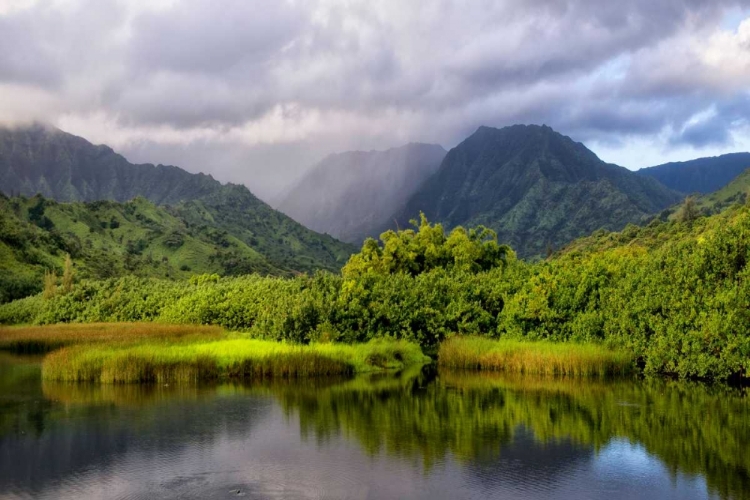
{"points": [[539, 358], [223, 359], [37, 339]]}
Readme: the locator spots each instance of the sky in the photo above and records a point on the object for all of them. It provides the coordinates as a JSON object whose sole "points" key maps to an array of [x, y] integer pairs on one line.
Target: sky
{"points": [[257, 91]]}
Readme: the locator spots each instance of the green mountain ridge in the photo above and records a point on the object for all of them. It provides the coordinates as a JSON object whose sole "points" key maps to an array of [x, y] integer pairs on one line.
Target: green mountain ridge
{"points": [[107, 239], [535, 187], [702, 175], [63, 167]]}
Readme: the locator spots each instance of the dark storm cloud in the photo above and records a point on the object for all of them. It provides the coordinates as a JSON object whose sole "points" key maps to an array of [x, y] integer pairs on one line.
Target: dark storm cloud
{"points": [[704, 133], [263, 85]]}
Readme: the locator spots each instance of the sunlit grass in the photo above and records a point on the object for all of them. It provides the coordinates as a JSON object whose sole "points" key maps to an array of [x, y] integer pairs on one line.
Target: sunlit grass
{"points": [[541, 358], [223, 359], [37, 339]]}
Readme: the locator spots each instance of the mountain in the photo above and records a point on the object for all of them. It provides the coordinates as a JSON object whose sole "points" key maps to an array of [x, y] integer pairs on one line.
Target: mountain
{"points": [[703, 175], [108, 239], [351, 195], [63, 167], [736, 191], [535, 187]]}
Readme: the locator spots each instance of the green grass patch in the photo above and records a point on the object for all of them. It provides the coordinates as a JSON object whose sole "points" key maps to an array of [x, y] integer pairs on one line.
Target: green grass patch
{"points": [[40, 339], [540, 358], [224, 359]]}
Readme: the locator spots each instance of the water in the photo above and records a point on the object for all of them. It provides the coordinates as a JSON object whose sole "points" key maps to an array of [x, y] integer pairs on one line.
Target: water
{"points": [[416, 435]]}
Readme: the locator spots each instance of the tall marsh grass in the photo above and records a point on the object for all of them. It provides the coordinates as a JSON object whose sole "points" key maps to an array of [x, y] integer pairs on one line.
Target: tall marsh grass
{"points": [[539, 358], [224, 359], [40, 339]]}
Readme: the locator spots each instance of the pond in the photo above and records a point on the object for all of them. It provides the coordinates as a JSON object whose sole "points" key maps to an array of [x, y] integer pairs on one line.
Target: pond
{"points": [[418, 434]]}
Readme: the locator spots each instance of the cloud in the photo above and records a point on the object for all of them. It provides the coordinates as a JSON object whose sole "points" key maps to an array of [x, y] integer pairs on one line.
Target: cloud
{"points": [[254, 91]]}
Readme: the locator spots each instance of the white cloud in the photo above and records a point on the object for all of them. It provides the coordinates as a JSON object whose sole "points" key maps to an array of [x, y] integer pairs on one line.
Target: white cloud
{"points": [[325, 75]]}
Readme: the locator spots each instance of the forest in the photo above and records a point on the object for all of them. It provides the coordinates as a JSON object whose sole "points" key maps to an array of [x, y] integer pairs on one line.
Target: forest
{"points": [[673, 294]]}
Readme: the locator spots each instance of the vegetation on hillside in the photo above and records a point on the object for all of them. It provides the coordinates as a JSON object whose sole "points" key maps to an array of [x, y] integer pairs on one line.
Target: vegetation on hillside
{"points": [[536, 188], [107, 239], [674, 295], [244, 233]]}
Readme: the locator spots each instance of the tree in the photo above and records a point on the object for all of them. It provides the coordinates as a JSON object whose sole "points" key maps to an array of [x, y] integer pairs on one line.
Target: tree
{"points": [[50, 284], [415, 251], [689, 211], [69, 274]]}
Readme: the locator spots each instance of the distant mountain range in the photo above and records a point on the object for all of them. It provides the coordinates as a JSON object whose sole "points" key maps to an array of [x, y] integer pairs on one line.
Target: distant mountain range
{"points": [[63, 167], [537, 188], [350, 195], [703, 175]]}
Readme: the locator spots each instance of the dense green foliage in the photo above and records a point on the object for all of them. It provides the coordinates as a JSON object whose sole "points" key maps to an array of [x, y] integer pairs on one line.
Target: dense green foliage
{"points": [[703, 175], [676, 295], [415, 252], [537, 189], [242, 233], [109, 239]]}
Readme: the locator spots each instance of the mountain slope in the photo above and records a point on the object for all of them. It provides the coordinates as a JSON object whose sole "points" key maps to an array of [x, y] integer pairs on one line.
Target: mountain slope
{"points": [[736, 192], [110, 239], [703, 175], [351, 195], [535, 187], [41, 159]]}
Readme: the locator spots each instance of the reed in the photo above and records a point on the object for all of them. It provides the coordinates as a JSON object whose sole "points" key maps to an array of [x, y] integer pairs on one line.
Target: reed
{"points": [[223, 359], [40, 339], [539, 358]]}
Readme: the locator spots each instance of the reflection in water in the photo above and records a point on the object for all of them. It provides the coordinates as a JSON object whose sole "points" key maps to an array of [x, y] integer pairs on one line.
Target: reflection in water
{"points": [[416, 435]]}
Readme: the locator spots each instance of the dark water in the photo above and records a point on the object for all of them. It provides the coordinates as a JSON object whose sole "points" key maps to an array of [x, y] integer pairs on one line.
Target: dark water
{"points": [[415, 435]]}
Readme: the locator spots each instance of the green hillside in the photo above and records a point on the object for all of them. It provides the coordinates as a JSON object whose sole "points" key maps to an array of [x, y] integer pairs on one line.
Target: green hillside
{"points": [[674, 295], [109, 239], [535, 187], [63, 167], [734, 192]]}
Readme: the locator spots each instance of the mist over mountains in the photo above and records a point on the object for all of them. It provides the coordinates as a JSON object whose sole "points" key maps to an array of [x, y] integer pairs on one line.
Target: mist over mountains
{"points": [[537, 188], [57, 165], [349, 195]]}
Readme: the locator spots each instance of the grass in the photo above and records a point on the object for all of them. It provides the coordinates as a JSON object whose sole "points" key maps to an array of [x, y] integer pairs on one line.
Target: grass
{"points": [[539, 358], [223, 359], [40, 339]]}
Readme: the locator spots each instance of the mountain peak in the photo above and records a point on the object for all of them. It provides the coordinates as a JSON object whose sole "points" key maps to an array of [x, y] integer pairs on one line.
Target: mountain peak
{"points": [[535, 187]]}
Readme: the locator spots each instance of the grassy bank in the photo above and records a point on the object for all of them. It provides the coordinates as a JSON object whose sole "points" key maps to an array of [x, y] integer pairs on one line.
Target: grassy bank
{"points": [[224, 359], [541, 358], [40, 339]]}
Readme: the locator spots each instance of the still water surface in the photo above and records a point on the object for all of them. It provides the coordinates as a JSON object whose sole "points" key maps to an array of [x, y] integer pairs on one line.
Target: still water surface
{"points": [[416, 435]]}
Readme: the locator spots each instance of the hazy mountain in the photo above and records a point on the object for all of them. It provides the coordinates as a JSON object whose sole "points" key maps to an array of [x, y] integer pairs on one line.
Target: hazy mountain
{"points": [[535, 187], [41, 159], [703, 175], [351, 195]]}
